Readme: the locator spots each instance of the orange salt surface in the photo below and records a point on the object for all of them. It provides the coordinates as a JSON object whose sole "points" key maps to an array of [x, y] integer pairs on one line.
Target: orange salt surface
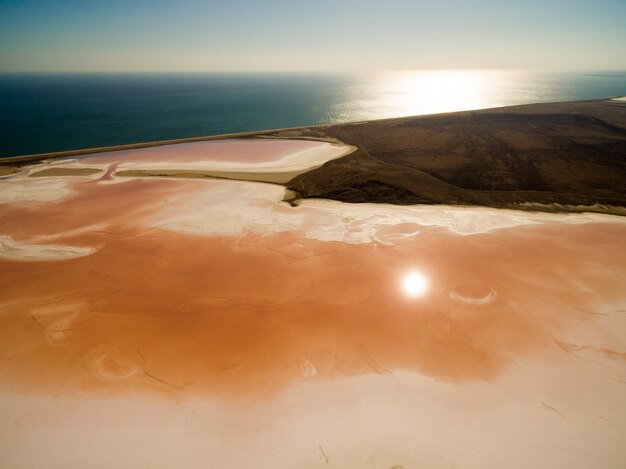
{"points": [[256, 312]]}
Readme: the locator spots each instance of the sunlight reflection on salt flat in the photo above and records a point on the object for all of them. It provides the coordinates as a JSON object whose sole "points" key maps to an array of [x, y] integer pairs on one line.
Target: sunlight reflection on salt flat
{"points": [[415, 284]]}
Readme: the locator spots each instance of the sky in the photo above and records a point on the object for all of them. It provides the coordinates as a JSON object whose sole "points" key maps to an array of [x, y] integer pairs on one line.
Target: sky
{"points": [[316, 35]]}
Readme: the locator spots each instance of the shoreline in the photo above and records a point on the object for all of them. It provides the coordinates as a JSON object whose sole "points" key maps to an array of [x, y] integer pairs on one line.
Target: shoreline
{"points": [[41, 157], [263, 133], [558, 157]]}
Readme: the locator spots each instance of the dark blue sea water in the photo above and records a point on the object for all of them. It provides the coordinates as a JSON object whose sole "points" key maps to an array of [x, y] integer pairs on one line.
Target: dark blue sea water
{"points": [[53, 112]]}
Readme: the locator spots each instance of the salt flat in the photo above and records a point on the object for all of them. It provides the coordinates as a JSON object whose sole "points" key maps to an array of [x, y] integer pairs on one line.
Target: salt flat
{"points": [[169, 321]]}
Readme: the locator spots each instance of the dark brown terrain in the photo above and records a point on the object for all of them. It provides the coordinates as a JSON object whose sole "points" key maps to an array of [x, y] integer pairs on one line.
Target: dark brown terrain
{"points": [[569, 153]]}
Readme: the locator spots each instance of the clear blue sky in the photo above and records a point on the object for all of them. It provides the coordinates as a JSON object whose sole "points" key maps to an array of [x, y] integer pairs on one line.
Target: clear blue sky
{"points": [[116, 35]]}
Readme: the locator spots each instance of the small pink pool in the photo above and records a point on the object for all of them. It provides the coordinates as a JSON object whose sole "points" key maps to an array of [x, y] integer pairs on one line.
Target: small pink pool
{"points": [[234, 151]]}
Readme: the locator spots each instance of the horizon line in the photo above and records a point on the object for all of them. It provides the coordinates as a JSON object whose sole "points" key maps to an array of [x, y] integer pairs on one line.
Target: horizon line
{"points": [[342, 71]]}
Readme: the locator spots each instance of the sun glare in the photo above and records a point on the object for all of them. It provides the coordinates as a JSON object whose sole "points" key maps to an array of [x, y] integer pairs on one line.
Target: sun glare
{"points": [[415, 284], [431, 91]]}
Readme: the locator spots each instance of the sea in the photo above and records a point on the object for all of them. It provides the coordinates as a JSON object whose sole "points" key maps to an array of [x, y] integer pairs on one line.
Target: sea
{"points": [[41, 113]]}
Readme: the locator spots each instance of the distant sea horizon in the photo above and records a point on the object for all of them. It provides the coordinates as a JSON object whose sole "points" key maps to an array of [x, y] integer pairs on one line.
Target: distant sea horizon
{"points": [[50, 112]]}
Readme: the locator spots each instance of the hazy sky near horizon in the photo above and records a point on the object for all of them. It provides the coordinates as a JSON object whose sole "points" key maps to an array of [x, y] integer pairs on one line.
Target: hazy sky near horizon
{"points": [[281, 35]]}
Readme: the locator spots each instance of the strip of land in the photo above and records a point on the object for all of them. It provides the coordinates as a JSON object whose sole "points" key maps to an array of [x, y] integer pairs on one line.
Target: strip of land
{"points": [[273, 177], [559, 156], [63, 171]]}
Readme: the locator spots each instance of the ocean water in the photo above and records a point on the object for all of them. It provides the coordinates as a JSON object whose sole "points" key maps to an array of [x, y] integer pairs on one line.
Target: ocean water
{"points": [[54, 112]]}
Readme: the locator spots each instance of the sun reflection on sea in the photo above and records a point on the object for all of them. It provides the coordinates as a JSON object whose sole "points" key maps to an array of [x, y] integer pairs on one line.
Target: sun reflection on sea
{"points": [[415, 92], [432, 91]]}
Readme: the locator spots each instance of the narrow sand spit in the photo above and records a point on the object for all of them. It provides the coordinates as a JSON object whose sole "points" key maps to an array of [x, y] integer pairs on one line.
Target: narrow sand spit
{"points": [[212, 324], [65, 171]]}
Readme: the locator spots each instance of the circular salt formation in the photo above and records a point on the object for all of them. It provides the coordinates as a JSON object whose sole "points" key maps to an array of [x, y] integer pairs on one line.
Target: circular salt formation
{"points": [[472, 293], [110, 364]]}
